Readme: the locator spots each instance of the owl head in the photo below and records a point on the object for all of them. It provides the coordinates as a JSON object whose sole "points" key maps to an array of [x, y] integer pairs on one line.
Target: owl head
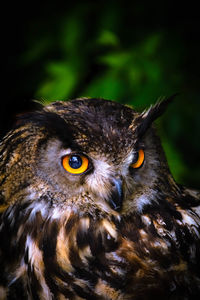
{"points": [[93, 156]]}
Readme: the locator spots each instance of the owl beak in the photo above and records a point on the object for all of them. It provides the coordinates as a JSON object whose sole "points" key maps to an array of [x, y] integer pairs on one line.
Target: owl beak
{"points": [[115, 200]]}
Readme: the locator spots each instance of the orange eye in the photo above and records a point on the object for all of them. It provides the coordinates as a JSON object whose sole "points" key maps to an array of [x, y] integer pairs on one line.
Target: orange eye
{"points": [[75, 163], [140, 159]]}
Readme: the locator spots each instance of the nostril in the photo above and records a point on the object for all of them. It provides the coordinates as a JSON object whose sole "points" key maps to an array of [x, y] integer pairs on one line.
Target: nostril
{"points": [[112, 183]]}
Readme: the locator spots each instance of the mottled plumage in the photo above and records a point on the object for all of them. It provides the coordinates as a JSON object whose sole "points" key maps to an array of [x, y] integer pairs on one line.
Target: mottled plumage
{"points": [[122, 229]]}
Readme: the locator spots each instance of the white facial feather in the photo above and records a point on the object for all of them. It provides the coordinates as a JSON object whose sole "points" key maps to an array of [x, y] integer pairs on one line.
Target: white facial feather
{"points": [[99, 181]]}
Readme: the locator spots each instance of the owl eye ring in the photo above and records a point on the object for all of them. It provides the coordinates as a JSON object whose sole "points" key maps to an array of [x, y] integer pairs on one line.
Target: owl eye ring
{"points": [[75, 163], [140, 159]]}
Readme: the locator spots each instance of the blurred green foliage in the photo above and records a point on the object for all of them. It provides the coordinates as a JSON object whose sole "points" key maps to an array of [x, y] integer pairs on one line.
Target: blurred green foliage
{"points": [[125, 52]]}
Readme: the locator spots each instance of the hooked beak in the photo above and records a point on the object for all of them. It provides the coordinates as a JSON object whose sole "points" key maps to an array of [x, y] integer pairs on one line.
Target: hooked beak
{"points": [[116, 197]]}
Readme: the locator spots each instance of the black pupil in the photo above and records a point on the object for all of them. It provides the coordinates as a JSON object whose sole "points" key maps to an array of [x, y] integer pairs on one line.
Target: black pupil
{"points": [[136, 157], [75, 162]]}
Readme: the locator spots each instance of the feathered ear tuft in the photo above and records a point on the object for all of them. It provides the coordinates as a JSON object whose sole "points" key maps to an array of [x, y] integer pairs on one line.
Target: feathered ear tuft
{"points": [[146, 118]]}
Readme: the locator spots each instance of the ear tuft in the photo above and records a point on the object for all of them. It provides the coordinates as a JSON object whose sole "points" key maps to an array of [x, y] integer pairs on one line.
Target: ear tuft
{"points": [[146, 118]]}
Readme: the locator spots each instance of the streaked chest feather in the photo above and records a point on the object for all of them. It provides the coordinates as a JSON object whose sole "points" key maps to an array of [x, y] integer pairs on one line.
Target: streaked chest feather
{"points": [[73, 257]]}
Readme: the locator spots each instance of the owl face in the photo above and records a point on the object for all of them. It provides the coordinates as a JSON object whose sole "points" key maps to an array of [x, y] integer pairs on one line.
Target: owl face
{"points": [[92, 155]]}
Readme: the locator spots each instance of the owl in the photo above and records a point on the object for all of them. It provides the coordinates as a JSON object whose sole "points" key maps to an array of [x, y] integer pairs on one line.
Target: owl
{"points": [[90, 210]]}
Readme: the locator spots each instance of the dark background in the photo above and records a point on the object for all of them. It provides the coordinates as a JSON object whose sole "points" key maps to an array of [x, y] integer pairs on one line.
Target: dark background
{"points": [[129, 52]]}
